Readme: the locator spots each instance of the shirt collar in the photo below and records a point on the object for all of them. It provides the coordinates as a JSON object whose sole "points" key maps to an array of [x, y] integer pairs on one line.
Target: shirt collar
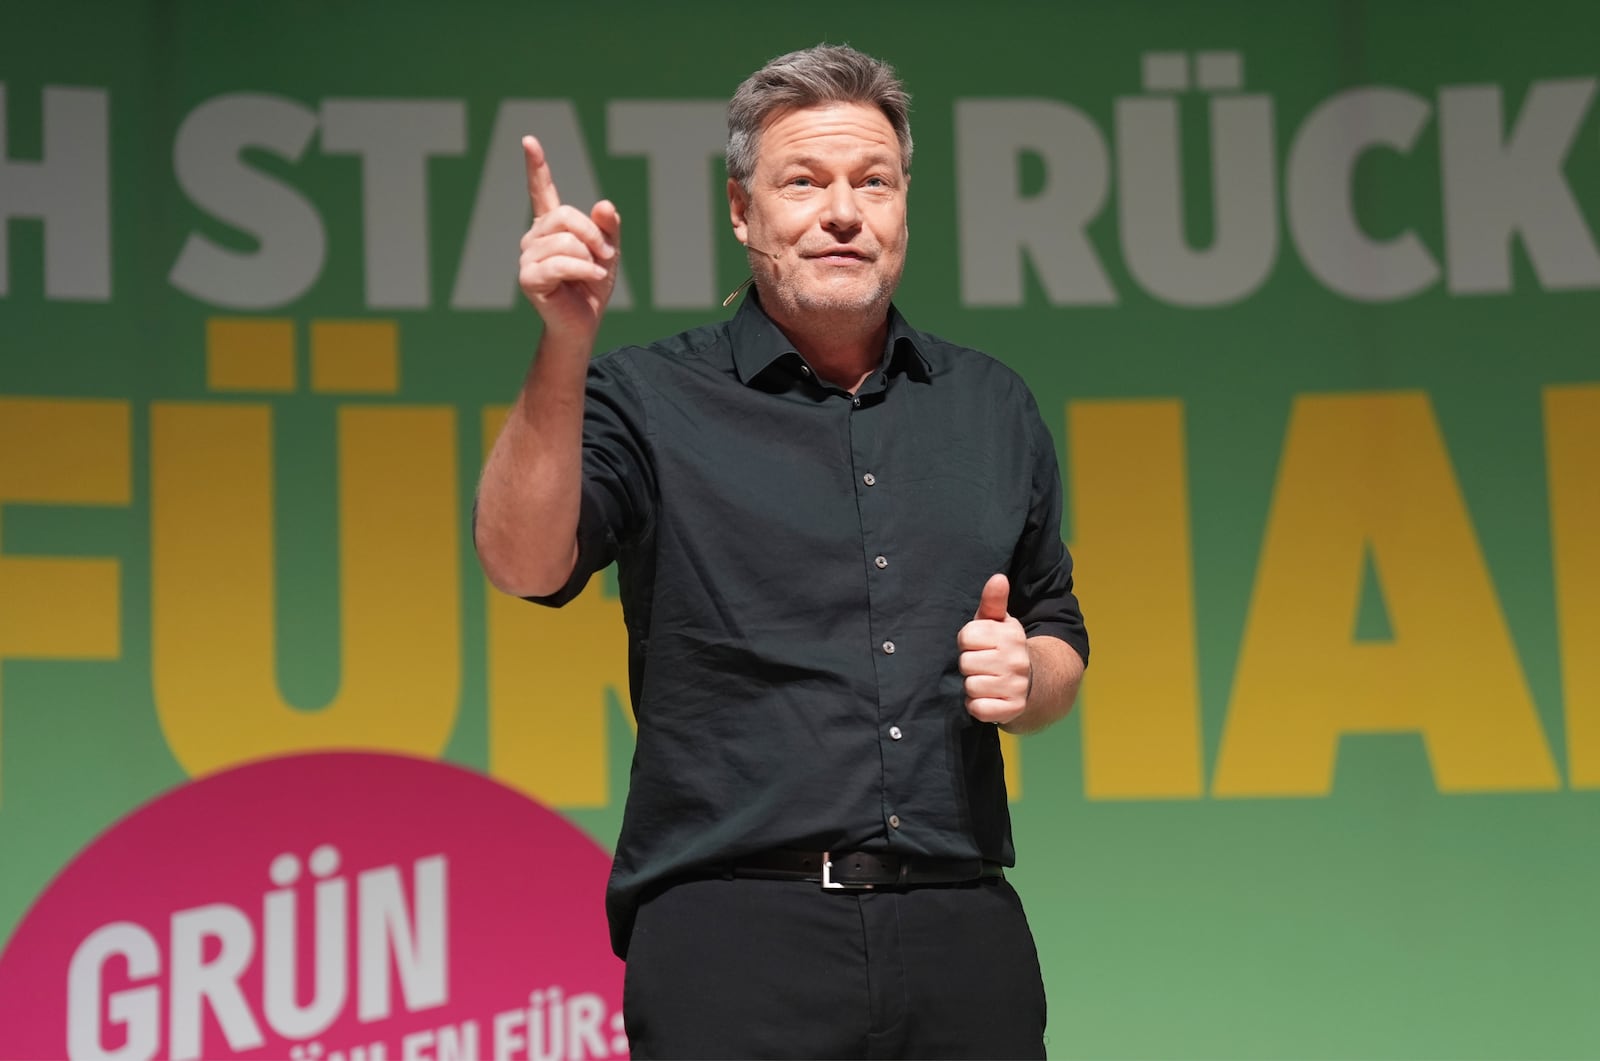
{"points": [[758, 343]]}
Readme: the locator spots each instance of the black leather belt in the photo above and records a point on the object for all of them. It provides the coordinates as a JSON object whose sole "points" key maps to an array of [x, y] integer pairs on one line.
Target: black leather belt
{"points": [[862, 869]]}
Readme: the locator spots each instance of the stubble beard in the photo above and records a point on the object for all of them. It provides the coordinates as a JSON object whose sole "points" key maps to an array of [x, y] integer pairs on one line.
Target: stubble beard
{"points": [[825, 311]]}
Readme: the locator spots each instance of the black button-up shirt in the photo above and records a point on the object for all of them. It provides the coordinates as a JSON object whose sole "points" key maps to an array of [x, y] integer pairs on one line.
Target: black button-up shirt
{"points": [[794, 563]]}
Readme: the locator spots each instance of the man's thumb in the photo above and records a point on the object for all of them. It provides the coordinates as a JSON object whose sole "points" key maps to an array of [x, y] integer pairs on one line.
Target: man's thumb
{"points": [[992, 605]]}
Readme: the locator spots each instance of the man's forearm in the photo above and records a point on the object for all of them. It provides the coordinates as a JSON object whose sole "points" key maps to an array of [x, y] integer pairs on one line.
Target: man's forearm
{"points": [[528, 496], [1057, 673]]}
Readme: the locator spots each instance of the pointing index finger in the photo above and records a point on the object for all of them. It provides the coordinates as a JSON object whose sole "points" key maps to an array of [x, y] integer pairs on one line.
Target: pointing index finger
{"points": [[541, 185]]}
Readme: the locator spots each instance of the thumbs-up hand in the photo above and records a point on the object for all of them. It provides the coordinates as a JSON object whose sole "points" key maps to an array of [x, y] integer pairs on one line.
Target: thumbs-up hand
{"points": [[994, 658]]}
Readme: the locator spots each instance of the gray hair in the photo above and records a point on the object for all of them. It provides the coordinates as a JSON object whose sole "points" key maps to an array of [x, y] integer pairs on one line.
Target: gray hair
{"points": [[827, 73]]}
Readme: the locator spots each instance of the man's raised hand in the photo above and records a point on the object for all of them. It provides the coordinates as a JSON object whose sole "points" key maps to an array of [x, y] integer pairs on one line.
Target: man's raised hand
{"points": [[569, 259], [995, 659]]}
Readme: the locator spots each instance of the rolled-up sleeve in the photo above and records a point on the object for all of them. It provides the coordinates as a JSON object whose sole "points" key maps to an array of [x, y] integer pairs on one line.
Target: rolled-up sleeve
{"points": [[1041, 568], [619, 483]]}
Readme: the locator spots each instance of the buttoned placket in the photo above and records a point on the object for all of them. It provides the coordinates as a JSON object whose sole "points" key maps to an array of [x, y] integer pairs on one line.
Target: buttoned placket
{"points": [[873, 498]]}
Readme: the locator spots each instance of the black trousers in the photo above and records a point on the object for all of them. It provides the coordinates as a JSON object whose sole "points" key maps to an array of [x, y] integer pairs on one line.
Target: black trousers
{"points": [[764, 969]]}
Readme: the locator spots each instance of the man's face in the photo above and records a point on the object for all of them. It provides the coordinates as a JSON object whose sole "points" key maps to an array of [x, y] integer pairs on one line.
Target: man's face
{"points": [[826, 212]]}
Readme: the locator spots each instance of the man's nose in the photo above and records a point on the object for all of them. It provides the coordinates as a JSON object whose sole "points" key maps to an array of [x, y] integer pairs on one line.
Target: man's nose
{"points": [[839, 210]]}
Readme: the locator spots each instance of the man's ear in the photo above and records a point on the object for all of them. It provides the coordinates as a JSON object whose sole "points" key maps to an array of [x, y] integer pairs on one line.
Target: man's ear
{"points": [[736, 210], [907, 222]]}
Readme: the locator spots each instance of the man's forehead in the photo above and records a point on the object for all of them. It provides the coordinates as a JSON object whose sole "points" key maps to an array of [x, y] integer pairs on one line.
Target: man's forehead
{"points": [[802, 130]]}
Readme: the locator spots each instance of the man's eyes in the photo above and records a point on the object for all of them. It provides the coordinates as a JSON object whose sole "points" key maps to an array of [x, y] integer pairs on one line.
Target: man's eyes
{"points": [[807, 182]]}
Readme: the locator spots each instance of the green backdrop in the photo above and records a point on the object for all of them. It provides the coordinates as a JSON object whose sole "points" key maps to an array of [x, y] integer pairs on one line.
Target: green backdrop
{"points": [[1308, 292]]}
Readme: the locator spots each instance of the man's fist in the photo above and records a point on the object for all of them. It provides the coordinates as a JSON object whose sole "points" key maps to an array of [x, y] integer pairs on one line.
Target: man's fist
{"points": [[994, 658]]}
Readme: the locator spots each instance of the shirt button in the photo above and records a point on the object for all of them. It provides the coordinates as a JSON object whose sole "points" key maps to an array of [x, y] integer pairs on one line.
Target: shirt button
{"points": [[856, 402], [805, 370], [894, 821], [894, 733], [882, 562], [888, 648], [869, 478]]}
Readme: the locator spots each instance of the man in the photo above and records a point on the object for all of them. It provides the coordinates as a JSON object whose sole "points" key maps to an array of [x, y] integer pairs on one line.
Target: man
{"points": [[840, 561]]}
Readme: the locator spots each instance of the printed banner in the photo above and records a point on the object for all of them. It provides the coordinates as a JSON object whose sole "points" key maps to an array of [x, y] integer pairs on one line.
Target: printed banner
{"points": [[1307, 293], [326, 907]]}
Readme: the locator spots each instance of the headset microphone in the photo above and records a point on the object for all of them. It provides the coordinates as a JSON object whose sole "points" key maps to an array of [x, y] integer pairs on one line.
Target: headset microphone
{"points": [[749, 279]]}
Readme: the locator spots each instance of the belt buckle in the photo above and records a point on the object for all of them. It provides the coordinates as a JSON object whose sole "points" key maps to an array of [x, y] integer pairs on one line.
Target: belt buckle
{"points": [[828, 883]]}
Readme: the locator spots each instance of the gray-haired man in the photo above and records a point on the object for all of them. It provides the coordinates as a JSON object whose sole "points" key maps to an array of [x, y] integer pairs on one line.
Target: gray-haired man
{"points": [[839, 553]]}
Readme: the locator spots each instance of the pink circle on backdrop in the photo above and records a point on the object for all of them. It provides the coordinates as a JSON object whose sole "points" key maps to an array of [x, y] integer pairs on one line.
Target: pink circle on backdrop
{"points": [[481, 909]]}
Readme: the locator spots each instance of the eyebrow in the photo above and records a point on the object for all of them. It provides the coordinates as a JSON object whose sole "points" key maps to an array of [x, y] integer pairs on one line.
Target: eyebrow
{"points": [[877, 158]]}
